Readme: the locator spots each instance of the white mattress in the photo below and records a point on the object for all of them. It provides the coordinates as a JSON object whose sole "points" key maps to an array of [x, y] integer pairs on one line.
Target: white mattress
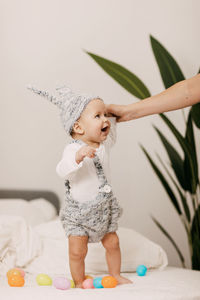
{"points": [[169, 284]]}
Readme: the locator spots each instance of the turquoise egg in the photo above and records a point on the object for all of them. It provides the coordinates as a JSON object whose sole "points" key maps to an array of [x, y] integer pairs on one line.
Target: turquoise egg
{"points": [[97, 283], [141, 270]]}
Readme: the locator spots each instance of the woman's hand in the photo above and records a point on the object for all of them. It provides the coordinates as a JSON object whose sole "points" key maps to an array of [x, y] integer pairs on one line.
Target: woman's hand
{"points": [[121, 112], [83, 152]]}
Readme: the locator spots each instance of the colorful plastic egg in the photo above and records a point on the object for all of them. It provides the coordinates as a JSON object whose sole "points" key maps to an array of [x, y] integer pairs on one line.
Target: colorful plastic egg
{"points": [[88, 284], [13, 272], [141, 270], [16, 280], [43, 279], [72, 283], [109, 282], [21, 271], [61, 283], [97, 283]]}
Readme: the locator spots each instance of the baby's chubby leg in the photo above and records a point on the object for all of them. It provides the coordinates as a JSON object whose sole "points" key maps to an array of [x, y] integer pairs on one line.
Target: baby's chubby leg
{"points": [[78, 246], [110, 242]]}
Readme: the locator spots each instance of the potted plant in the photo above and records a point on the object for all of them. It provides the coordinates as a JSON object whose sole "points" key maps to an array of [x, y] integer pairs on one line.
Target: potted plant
{"points": [[184, 167]]}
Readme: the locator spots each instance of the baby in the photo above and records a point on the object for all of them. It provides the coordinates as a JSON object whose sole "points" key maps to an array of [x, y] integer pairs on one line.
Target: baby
{"points": [[90, 212]]}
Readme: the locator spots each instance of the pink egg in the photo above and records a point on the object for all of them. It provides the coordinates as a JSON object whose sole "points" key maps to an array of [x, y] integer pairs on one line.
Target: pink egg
{"points": [[88, 284], [62, 283], [21, 271]]}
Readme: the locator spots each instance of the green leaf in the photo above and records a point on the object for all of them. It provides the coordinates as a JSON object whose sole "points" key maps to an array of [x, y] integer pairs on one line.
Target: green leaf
{"points": [[186, 148], [195, 228], [169, 69], [195, 111], [176, 160], [124, 77], [163, 182], [195, 233], [196, 253], [171, 240], [189, 139], [182, 197]]}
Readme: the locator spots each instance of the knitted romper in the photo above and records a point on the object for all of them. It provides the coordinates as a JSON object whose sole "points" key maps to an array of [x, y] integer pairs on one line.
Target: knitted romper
{"points": [[92, 218]]}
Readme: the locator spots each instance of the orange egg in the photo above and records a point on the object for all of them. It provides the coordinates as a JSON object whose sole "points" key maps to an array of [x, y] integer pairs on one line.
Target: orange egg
{"points": [[16, 280], [13, 272], [88, 277], [109, 282]]}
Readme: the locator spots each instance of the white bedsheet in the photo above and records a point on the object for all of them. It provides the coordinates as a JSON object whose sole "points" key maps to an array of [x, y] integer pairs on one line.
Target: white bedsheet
{"points": [[169, 284]]}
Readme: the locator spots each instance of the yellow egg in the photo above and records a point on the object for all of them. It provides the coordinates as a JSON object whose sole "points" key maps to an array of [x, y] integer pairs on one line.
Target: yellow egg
{"points": [[43, 279], [72, 284]]}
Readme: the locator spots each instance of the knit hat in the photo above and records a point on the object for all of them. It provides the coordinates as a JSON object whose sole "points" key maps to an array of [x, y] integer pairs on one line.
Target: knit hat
{"points": [[71, 105]]}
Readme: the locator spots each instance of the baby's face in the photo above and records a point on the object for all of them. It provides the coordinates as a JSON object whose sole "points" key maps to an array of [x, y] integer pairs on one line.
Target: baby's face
{"points": [[94, 121]]}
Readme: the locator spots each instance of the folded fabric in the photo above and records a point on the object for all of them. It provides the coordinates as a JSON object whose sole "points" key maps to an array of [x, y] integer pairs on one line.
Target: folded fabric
{"points": [[34, 212], [19, 243]]}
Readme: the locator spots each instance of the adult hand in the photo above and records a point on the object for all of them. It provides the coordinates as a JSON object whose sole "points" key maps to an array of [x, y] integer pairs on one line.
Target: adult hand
{"points": [[119, 111]]}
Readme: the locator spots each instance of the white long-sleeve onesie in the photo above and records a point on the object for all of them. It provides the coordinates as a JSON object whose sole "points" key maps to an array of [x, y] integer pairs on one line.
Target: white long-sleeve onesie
{"points": [[84, 182]]}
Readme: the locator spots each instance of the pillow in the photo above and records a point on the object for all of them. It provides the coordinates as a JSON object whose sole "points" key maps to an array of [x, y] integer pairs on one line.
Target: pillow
{"points": [[34, 212], [135, 249]]}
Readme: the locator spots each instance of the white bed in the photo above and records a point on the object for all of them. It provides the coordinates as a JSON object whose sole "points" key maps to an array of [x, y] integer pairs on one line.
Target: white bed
{"points": [[38, 245], [169, 284]]}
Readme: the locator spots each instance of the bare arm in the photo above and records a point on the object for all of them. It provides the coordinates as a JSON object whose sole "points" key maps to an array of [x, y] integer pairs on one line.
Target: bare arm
{"points": [[182, 94]]}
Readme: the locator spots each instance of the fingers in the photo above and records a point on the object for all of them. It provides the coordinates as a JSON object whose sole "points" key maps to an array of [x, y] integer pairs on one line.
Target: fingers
{"points": [[121, 112], [89, 152], [111, 109], [116, 110]]}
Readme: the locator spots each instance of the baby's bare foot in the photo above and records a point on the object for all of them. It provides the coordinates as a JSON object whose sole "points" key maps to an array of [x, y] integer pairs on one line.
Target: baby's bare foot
{"points": [[78, 286], [122, 280]]}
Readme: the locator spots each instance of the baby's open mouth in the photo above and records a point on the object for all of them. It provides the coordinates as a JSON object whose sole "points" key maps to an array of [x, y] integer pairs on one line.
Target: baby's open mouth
{"points": [[105, 128]]}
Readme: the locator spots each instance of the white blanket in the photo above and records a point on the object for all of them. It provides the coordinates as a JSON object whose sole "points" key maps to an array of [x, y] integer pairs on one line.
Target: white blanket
{"points": [[19, 243], [29, 248], [44, 249]]}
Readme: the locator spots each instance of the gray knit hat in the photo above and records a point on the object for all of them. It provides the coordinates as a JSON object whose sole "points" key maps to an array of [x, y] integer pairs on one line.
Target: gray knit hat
{"points": [[71, 105]]}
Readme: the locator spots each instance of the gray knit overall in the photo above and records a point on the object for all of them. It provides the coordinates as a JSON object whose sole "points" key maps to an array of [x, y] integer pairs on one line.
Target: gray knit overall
{"points": [[92, 218]]}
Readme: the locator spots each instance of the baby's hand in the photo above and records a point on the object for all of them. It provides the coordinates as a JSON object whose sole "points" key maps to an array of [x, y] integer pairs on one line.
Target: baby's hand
{"points": [[83, 152]]}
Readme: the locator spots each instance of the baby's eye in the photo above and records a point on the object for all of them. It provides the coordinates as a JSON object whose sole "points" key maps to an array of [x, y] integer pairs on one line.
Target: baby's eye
{"points": [[97, 116]]}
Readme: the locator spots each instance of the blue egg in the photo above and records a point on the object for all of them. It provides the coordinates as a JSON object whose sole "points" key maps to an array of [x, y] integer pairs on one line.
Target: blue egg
{"points": [[141, 270], [97, 283]]}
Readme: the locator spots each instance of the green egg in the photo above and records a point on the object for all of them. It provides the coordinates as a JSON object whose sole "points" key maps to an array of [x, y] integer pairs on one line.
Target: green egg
{"points": [[43, 279]]}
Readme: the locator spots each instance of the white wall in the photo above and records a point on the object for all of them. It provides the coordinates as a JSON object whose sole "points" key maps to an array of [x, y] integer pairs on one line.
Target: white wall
{"points": [[41, 43]]}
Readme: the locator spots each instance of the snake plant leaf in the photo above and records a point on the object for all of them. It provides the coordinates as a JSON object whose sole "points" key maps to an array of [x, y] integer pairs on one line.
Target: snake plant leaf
{"points": [[176, 161], [195, 233], [196, 253], [182, 197], [169, 69], [189, 138], [195, 228], [123, 76], [195, 111], [186, 148], [163, 181], [171, 240]]}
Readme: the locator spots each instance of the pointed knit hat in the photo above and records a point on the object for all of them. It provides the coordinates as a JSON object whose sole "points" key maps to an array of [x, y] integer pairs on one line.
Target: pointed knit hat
{"points": [[71, 104]]}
